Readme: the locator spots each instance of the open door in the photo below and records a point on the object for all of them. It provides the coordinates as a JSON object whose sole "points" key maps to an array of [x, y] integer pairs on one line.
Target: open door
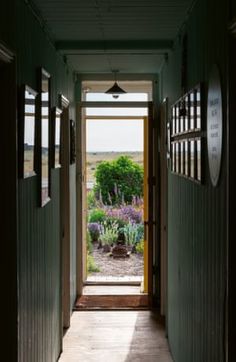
{"points": [[65, 211], [148, 204], [145, 198]]}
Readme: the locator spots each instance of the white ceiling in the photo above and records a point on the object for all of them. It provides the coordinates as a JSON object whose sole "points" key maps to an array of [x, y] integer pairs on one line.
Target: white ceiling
{"points": [[97, 36]]}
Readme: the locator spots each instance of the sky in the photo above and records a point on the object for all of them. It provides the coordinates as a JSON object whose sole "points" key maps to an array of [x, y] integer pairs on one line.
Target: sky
{"points": [[115, 135]]}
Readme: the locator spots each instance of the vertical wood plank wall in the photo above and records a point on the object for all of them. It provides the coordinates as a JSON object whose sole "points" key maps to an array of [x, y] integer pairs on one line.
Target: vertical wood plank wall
{"points": [[39, 250], [197, 236]]}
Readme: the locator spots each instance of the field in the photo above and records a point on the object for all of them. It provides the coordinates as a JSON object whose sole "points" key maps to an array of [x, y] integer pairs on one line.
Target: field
{"points": [[94, 158]]}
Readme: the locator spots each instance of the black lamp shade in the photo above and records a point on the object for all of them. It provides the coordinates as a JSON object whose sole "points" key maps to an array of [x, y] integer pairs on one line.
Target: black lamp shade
{"points": [[115, 89]]}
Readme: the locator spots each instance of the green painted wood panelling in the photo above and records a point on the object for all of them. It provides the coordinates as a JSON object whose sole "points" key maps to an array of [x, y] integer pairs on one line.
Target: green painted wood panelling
{"points": [[197, 238], [39, 251], [73, 266]]}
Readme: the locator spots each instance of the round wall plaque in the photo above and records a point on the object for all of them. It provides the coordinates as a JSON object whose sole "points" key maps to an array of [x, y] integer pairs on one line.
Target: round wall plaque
{"points": [[214, 124]]}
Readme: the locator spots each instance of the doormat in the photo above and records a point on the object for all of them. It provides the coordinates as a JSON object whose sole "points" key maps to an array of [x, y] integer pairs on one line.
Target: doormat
{"points": [[112, 302]]}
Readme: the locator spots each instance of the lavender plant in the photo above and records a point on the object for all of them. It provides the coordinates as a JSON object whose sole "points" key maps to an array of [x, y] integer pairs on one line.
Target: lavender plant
{"points": [[131, 233], [109, 233], [94, 230]]}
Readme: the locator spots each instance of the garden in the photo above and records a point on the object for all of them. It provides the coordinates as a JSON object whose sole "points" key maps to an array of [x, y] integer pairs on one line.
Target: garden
{"points": [[115, 228]]}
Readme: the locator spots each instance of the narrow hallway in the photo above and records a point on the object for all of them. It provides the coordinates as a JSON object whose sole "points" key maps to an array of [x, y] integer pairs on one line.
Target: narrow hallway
{"points": [[115, 336]]}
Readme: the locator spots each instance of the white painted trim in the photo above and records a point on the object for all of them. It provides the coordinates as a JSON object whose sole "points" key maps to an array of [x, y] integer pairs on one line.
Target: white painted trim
{"points": [[110, 118], [63, 101], [114, 104]]}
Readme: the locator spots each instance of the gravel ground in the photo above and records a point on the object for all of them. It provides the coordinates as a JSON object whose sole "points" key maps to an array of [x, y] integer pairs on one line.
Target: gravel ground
{"points": [[133, 265]]}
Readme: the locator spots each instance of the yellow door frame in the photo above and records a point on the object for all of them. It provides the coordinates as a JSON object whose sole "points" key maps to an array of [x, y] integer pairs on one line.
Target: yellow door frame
{"points": [[148, 224]]}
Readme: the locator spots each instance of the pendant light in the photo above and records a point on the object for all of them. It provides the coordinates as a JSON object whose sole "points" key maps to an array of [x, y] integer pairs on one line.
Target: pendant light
{"points": [[115, 90]]}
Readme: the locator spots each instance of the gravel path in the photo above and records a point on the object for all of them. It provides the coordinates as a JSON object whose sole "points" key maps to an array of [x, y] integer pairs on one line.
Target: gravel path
{"points": [[131, 266]]}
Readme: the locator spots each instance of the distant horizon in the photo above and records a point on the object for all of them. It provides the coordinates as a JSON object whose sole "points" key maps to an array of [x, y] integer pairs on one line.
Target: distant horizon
{"points": [[127, 151], [114, 135]]}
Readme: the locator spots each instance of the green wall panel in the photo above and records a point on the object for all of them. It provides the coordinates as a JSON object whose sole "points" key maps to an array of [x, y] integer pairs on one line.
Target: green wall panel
{"points": [[197, 238], [39, 251]]}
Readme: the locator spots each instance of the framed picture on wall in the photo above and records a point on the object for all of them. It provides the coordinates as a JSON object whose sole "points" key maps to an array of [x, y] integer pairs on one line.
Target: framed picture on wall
{"points": [[173, 122], [199, 160], [173, 157], [198, 111], [182, 164], [72, 142], [192, 158], [56, 137], [168, 143], [44, 137], [177, 154], [27, 132], [186, 158], [186, 128], [177, 119]]}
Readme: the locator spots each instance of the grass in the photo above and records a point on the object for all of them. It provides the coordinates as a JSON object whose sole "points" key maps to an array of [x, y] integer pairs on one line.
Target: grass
{"points": [[94, 158], [91, 266]]}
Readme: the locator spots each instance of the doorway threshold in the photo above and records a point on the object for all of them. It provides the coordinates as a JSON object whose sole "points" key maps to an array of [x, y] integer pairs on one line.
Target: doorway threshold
{"points": [[112, 297], [106, 280]]}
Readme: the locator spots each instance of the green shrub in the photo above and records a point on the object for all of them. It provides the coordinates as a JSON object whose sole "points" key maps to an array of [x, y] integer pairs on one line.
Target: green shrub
{"points": [[91, 200], [109, 233], [130, 232], [91, 266], [97, 215], [89, 243], [119, 180], [140, 247]]}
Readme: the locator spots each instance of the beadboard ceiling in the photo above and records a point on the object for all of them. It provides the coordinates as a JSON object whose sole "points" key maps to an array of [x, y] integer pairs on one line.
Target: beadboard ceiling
{"points": [[98, 36]]}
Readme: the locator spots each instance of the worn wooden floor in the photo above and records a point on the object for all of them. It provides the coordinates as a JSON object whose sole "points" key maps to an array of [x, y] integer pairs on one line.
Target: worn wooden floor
{"points": [[115, 336], [111, 290]]}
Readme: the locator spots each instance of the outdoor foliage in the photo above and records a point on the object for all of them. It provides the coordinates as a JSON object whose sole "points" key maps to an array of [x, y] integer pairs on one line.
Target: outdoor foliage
{"points": [[118, 181], [97, 215], [94, 230], [140, 247], [89, 243], [91, 200], [91, 265], [109, 233]]}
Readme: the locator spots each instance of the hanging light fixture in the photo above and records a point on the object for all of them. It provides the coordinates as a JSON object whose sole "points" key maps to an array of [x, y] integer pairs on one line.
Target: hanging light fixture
{"points": [[115, 90]]}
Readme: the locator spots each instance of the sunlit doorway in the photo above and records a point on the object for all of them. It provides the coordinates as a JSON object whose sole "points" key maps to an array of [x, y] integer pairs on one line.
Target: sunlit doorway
{"points": [[113, 136]]}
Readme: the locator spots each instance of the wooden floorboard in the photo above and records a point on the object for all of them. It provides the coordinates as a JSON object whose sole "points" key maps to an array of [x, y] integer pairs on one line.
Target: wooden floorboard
{"points": [[111, 290], [121, 336], [89, 302]]}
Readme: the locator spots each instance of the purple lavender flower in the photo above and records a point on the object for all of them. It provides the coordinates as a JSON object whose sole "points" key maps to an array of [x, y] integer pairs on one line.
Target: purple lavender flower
{"points": [[131, 214], [94, 229]]}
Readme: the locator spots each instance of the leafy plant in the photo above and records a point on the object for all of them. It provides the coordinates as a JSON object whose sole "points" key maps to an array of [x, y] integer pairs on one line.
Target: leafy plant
{"points": [[131, 214], [89, 243], [94, 230], [130, 232], [117, 181], [91, 265], [140, 247], [140, 232], [109, 233], [91, 200], [97, 215]]}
